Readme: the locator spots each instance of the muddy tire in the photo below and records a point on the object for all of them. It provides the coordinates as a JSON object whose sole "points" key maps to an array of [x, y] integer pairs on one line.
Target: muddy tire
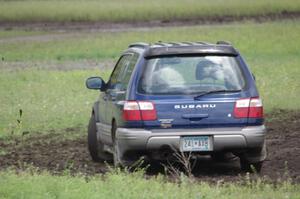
{"points": [[116, 156], [96, 147], [251, 167], [116, 153], [254, 166], [223, 157]]}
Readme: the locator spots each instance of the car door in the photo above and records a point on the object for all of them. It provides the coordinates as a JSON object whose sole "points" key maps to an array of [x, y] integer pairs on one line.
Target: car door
{"points": [[115, 90], [119, 90]]}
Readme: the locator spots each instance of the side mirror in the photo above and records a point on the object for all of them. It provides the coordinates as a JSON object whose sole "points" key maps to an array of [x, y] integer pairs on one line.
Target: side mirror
{"points": [[95, 83]]}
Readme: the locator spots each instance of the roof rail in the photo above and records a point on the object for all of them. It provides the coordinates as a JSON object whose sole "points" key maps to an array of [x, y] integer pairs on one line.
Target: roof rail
{"points": [[160, 43], [202, 42], [138, 45], [188, 43], [174, 43], [224, 42]]}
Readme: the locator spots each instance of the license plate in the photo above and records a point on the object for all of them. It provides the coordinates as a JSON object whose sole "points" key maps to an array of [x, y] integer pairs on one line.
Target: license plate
{"points": [[196, 143]]}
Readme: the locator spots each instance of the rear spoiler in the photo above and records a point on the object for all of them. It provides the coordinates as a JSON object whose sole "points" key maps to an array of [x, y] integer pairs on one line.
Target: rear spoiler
{"points": [[167, 51]]}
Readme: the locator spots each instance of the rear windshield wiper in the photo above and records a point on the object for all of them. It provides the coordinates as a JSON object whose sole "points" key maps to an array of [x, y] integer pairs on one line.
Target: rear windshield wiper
{"points": [[215, 91]]}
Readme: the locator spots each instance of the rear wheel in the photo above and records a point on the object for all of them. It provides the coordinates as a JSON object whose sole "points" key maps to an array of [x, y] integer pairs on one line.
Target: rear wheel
{"points": [[118, 158], [96, 147], [223, 157], [116, 152], [251, 167]]}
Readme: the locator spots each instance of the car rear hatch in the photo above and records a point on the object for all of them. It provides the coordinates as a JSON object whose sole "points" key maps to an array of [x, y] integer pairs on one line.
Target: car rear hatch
{"points": [[189, 112], [193, 91]]}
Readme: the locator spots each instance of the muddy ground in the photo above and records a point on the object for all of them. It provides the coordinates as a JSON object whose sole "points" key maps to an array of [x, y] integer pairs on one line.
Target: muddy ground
{"points": [[53, 153]]}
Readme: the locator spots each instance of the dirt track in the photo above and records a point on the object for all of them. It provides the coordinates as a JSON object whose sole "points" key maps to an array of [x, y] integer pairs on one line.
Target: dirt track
{"points": [[50, 152], [133, 25]]}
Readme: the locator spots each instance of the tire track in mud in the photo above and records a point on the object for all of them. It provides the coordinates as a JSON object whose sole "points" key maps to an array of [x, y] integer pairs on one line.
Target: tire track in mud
{"points": [[55, 154]]}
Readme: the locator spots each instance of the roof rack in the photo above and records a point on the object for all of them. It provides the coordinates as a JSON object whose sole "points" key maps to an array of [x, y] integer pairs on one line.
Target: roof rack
{"points": [[175, 43], [138, 45], [201, 42], [160, 43], [188, 43], [224, 42], [185, 43], [170, 44]]}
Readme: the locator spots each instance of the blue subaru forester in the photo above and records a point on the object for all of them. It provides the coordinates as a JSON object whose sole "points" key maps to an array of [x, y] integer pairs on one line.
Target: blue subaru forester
{"points": [[189, 97]]}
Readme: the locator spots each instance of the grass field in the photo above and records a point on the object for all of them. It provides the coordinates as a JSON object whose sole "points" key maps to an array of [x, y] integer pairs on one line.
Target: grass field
{"points": [[123, 185], [268, 40], [137, 10], [52, 99], [13, 34], [36, 98], [48, 100]]}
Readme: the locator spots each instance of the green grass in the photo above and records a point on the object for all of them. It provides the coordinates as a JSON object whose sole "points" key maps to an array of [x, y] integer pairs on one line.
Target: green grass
{"points": [[258, 42], [48, 99], [137, 10], [19, 33], [123, 185], [58, 99], [53, 100]]}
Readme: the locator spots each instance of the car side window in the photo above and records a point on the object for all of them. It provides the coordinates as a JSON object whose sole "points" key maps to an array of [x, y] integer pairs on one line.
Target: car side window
{"points": [[116, 77], [129, 69]]}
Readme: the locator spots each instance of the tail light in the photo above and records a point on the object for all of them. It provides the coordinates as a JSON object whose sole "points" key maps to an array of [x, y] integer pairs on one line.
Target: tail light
{"points": [[248, 108], [139, 110]]}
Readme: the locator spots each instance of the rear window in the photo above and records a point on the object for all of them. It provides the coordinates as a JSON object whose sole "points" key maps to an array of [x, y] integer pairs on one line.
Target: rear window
{"points": [[190, 75]]}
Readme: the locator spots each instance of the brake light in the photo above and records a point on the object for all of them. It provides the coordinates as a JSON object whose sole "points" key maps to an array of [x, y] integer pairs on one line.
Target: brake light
{"points": [[248, 108], [139, 110], [256, 108]]}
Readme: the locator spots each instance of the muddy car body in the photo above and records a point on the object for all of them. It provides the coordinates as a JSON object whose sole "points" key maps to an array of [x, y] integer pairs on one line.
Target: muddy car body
{"points": [[190, 97]]}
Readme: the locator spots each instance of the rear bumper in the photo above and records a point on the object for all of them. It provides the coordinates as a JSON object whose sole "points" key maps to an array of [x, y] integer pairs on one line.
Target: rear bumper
{"points": [[233, 138]]}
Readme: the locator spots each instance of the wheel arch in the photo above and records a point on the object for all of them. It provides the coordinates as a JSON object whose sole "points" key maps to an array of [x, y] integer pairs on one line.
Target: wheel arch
{"points": [[95, 111]]}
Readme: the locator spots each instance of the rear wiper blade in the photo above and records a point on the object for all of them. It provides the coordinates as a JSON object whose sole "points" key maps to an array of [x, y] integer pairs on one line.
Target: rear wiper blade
{"points": [[215, 91]]}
